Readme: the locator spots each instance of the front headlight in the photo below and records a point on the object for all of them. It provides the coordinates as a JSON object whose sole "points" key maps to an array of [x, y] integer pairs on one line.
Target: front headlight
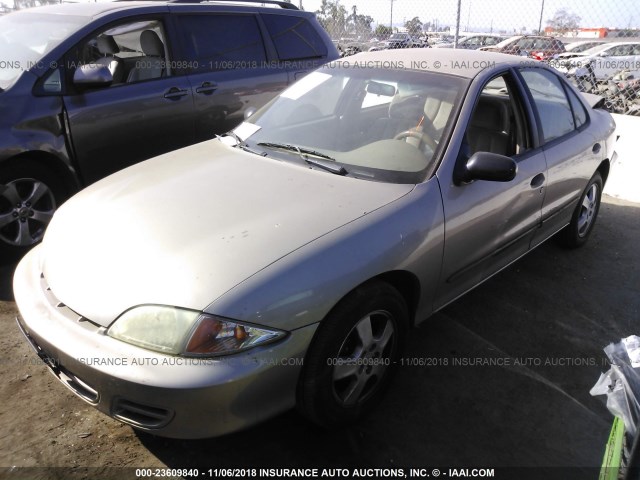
{"points": [[178, 331]]}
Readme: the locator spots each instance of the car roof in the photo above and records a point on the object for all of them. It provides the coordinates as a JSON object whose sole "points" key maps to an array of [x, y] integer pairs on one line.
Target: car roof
{"points": [[82, 9], [462, 63], [99, 8], [614, 44]]}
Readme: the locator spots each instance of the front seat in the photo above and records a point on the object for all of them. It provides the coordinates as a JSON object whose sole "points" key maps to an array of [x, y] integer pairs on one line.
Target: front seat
{"points": [[437, 111], [152, 64], [488, 129], [108, 47], [404, 114]]}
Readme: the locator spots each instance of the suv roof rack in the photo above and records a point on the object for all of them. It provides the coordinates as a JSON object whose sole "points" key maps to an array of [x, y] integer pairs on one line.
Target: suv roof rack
{"points": [[280, 3]]}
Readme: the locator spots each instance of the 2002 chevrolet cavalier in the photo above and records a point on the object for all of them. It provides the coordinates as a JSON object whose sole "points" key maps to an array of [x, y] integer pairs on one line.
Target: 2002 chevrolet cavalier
{"points": [[283, 264]]}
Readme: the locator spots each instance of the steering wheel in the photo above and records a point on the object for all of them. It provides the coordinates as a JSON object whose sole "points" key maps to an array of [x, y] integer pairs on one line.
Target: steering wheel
{"points": [[422, 136]]}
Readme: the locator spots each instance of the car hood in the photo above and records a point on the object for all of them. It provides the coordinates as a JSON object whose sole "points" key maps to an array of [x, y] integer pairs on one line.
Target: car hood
{"points": [[184, 228]]}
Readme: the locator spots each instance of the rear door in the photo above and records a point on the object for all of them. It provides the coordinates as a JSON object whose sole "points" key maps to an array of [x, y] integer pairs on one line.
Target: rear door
{"points": [[570, 150], [136, 117], [228, 67]]}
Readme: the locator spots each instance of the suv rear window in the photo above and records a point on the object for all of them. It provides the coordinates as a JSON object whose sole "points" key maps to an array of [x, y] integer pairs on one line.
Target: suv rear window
{"points": [[294, 37], [222, 42]]}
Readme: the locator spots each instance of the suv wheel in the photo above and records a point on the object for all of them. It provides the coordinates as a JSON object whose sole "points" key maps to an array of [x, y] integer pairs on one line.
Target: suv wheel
{"points": [[29, 195]]}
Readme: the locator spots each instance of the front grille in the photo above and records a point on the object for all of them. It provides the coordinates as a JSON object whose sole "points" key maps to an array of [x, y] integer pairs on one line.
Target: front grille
{"points": [[64, 309], [77, 386], [140, 415]]}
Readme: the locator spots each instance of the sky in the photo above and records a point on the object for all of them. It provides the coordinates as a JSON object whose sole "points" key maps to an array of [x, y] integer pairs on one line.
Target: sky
{"points": [[498, 16], [507, 15]]}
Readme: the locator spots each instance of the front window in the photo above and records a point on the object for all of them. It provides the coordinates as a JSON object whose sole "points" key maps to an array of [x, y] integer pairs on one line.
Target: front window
{"points": [[25, 38], [374, 123], [398, 36]]}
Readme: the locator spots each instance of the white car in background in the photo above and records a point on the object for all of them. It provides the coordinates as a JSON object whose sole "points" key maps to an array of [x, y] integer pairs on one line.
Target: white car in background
{"points": [[602, 61]]}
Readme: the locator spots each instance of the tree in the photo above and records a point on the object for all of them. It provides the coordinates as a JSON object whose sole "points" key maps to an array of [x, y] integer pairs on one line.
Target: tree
{"points": [[564, 21], [414, 26], [382, 31], [362, 25], [333, 17]]}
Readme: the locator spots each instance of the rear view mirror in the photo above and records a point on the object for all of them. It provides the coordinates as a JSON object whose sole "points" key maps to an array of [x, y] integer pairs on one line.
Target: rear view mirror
{"points": [[384, 89], [92, 75]]}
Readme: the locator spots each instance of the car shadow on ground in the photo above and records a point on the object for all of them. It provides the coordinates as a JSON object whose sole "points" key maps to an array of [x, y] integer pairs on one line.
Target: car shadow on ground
{"points": [[501, 377], [6, 278]]}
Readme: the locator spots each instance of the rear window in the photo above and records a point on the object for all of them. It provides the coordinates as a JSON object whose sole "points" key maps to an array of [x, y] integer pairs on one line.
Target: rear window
{"points": [[294, 37], [222, 42]]}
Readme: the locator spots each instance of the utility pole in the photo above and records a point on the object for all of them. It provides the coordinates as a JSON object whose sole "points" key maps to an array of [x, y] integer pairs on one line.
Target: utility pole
{"points": [[455, 38], [540, 24], [391, 21]]}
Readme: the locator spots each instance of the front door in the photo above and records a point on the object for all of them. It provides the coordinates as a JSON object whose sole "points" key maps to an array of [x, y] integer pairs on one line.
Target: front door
{"points": [[489, 224], [146, 111]]}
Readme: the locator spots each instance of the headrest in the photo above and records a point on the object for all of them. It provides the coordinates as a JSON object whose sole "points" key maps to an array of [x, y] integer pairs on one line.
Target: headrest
{"points": [[491, 114], [406, 107], [151, 44], [107, 45]]}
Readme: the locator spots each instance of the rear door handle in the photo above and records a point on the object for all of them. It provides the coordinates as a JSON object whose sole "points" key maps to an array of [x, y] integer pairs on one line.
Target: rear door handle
{"points": [[175, 92], [207, 88], [537, 181], [596, 148]]}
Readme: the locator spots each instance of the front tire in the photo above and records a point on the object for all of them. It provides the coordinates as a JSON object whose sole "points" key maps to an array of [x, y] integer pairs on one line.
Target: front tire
{"points": [[352, 356], [584, 216]]}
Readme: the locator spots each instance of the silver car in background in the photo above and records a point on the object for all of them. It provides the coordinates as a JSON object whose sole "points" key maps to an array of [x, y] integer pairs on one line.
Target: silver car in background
{"points": [[283, 264]]}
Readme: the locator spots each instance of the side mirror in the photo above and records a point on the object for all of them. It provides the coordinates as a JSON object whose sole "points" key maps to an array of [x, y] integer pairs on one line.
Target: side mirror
{"points": [[491, 167], [92, 75]]}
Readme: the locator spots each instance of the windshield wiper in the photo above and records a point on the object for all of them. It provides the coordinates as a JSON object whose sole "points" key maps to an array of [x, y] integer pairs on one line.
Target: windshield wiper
{"points": [[304, 154], [295, 148], [241, 143]]}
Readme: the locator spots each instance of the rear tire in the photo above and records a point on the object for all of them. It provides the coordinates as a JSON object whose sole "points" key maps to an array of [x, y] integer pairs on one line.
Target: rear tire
{"points": [[584, 216], [353, 355], [29, 195]]}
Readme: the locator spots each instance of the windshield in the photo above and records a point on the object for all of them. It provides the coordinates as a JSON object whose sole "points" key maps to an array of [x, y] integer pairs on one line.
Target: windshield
{"points": [[507, 42], [26, 37], [398, 36], [578, 47], [596, 49], [380, 124]]}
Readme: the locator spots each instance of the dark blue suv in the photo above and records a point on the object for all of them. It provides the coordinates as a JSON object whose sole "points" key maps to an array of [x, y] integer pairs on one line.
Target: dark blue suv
{"points": [[87, 89]]}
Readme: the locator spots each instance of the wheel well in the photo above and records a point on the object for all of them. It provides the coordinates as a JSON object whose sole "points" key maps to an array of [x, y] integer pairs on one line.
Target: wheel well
{"points": [[603, 168], [52, 163], [407, 285]]}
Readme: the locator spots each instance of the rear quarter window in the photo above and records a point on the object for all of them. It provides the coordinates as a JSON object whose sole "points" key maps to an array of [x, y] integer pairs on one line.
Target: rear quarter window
{"points": [[294, 37]]}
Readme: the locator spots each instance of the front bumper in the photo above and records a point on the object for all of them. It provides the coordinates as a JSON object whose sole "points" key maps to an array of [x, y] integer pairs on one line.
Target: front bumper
{"points": [[167, 395]]}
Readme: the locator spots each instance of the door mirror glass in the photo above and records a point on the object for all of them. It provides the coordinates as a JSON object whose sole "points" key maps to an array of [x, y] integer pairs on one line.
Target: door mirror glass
{"points": [[92, 75]]}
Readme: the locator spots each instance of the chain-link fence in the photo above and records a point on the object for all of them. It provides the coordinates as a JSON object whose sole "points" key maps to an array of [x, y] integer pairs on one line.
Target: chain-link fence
{"points": [[595, 44]]}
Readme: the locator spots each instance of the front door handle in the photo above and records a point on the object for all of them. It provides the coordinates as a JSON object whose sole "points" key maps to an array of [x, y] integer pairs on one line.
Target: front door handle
{"points": [[207, 88], [596, 148], [538, 180], [175, 92]]}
